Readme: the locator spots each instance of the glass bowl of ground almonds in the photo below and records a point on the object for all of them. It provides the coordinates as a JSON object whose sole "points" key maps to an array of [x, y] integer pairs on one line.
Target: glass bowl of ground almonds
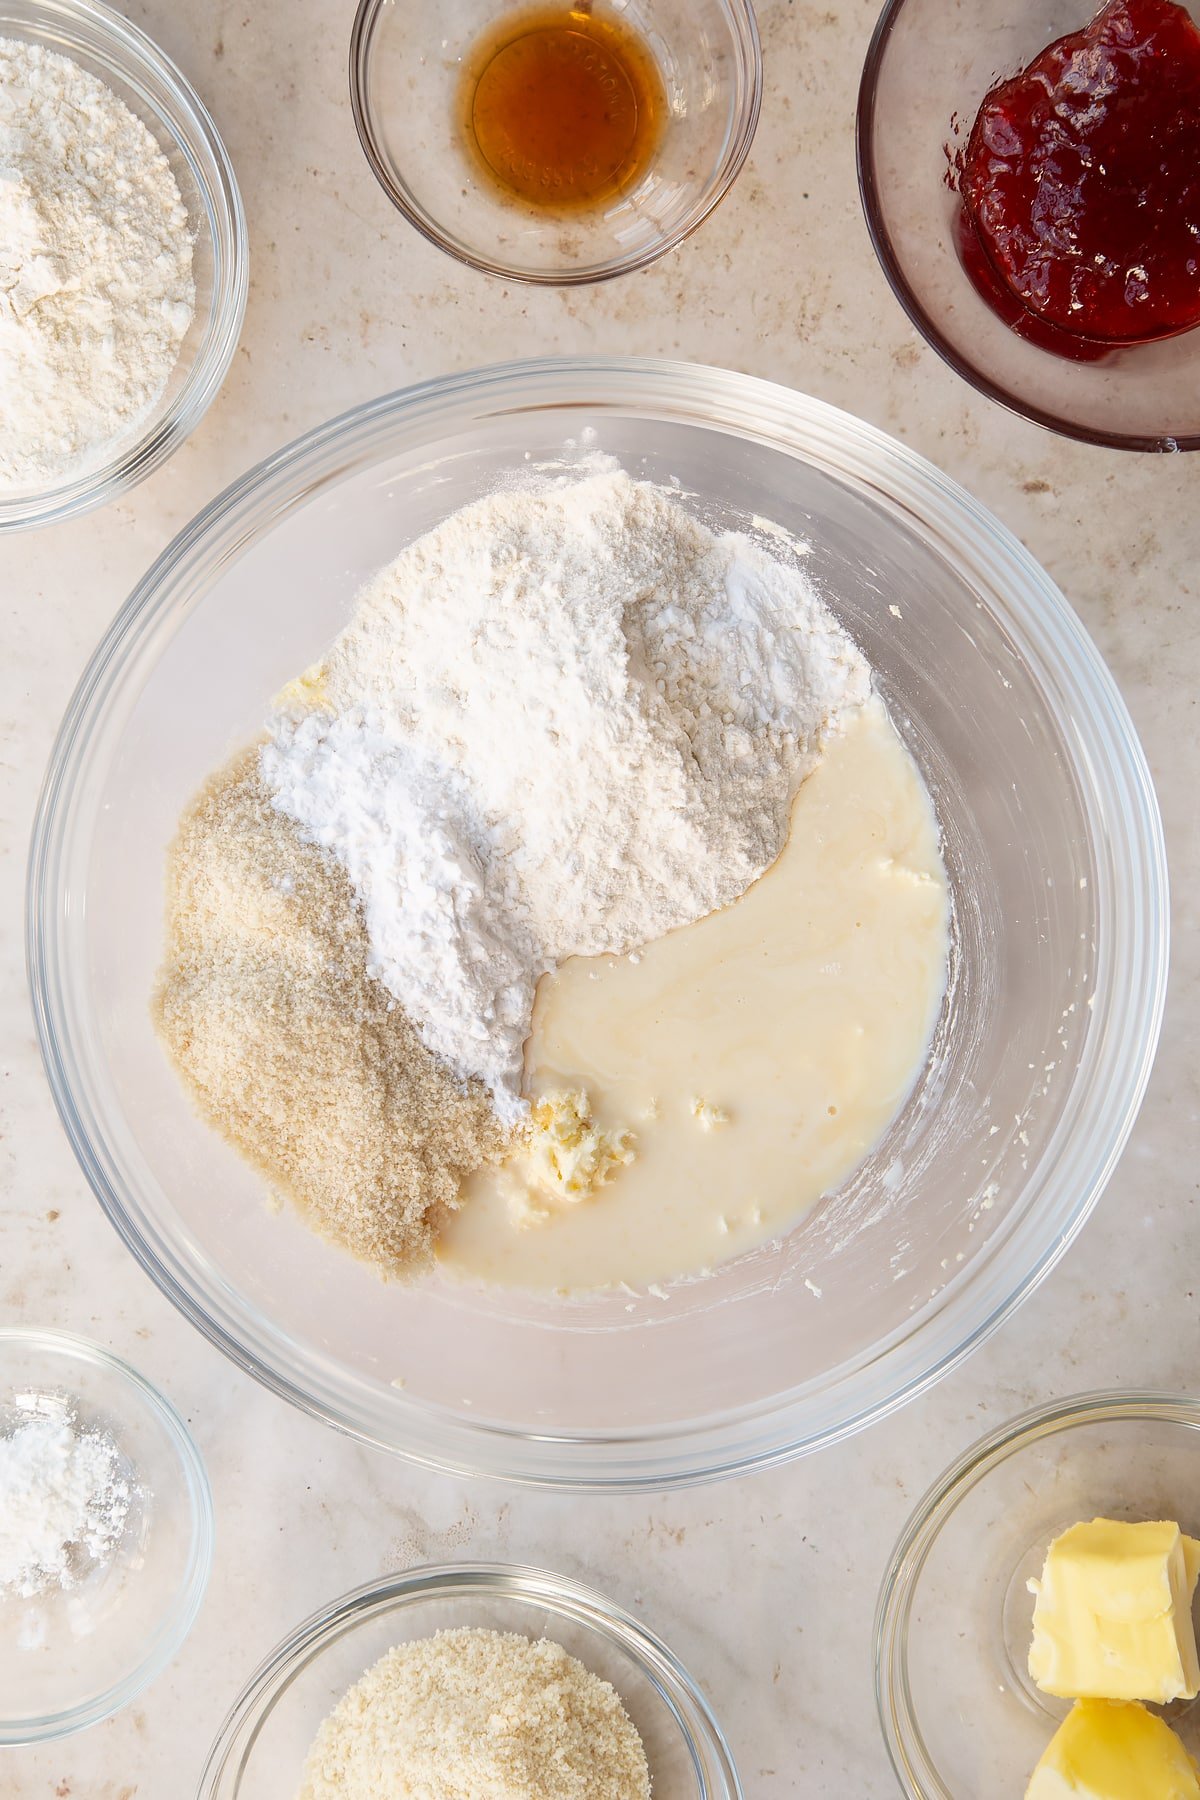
{"points": [[125, 259], [597, 922], [477, 1678]]}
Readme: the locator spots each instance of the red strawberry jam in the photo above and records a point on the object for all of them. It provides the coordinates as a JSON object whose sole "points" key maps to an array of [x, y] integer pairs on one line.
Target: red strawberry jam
{"points": [[1082, 178]]}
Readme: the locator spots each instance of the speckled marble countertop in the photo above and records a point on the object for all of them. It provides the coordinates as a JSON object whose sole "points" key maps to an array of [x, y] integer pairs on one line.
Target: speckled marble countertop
{"points": [[766, 1586]]}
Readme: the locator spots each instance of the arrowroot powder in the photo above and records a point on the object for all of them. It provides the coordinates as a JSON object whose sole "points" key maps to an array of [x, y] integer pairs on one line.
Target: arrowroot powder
{"points": [[563, 723], [96, 287], [65, 1494]]}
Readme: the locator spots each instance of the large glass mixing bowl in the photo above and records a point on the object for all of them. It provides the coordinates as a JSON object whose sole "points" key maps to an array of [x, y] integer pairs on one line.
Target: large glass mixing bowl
{"points": [[1051, 837]]}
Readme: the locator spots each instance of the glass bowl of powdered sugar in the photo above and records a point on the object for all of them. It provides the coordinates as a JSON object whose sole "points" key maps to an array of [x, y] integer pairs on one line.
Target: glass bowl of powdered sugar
{"points": [[106, 1532], [123, 259]]}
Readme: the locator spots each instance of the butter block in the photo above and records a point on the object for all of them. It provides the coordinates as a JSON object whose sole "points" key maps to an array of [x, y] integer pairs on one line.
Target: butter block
{"points": [[1114, 1750], [1113, 1613]]}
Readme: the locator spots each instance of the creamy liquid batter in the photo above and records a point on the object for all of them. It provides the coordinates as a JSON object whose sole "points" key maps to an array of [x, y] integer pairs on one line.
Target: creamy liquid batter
{"points": [[755, 1056]]}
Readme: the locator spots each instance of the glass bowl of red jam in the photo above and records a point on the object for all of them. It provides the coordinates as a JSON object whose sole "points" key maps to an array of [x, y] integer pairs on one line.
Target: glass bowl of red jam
{"points": [[1031, 181]]}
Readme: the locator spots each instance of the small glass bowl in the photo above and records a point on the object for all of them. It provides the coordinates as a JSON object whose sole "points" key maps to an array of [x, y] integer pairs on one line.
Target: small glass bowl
{"points": [[75, 1656], [261, 1749], [961, 1717], [108, 46], [928, 67], [405, 68]]}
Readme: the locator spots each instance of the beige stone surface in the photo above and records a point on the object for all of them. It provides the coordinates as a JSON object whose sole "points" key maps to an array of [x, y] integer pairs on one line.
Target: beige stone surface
{"points": [[765, 1587]]}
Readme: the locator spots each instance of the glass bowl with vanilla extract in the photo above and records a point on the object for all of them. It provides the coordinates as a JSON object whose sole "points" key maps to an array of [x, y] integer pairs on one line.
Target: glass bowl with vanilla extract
{"points": [[556, 143]]}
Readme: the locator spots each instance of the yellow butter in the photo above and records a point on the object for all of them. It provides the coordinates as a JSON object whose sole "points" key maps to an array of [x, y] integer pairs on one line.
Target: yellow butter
{"points": [[1114, 1750], [565, 1152], [1113, 1614]]}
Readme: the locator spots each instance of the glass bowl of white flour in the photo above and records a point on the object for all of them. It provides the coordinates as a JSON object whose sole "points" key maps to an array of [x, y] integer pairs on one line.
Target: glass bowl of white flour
{"points": [[1052, 847], [123, 259], [106, 1534]]}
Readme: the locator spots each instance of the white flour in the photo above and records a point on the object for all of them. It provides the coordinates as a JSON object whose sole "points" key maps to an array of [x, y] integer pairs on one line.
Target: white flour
{"points": [[64, 1500], [96, 290], [565, 722]]}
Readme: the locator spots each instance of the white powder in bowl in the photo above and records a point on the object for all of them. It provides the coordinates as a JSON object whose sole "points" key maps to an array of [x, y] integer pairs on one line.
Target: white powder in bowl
{"points": [[563, 723], [485, 1715], [96, 288], [65, 1494]]}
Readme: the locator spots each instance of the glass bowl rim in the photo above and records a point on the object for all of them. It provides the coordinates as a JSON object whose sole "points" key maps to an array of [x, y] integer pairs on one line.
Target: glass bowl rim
{"points": [[186, 1599], [902, 1734], [743, 23], [1084, 699], [870, 189], [558, 1594], [224, 218]]}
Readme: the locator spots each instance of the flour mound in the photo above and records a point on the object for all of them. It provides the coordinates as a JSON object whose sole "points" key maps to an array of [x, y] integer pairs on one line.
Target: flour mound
{"points": [[96, 287], [565, 722], [487, 1715]]}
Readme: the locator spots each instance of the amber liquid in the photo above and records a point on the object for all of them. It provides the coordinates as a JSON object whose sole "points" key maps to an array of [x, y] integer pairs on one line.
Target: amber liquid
{"points": [[562, 109]]}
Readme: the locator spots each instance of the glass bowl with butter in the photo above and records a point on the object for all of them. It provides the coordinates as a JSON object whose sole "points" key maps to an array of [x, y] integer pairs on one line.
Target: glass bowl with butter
{"points": [[961, 1712]]}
